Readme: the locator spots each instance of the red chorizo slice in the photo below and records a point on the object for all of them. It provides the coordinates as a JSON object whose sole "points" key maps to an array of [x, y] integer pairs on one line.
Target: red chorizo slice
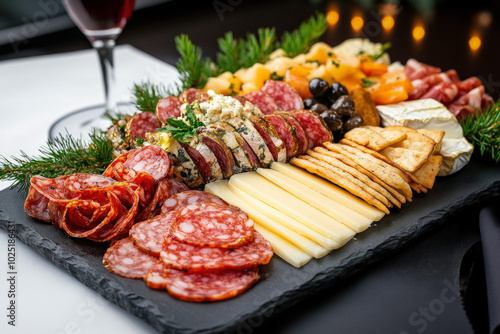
{"points": [[53, 189], [213, 226], [126, 260], [168, 107], [37, 205], [117, 164], [178, 255], [79, 183], [209, 285], [315, 127], [156, 276], [141, 124], [286, 133], [263, 101], [186, 198], [150, 159], [285, 96], [149, 235]]}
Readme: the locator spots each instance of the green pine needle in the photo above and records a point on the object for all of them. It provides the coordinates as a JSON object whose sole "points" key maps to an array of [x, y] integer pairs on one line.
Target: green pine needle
{"points": [[483, 131], [65, 156], [194, 70], [147, 95], [301, 39]]}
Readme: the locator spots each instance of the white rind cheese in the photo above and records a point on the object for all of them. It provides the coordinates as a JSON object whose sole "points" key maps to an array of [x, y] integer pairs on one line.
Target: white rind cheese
{"points": [[432, 115]]}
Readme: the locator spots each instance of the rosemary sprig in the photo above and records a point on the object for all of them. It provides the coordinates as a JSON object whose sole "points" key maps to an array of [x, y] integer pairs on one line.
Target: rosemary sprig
{"points": [[65, 156], [194, 70], [483, 131], [301, 39]]}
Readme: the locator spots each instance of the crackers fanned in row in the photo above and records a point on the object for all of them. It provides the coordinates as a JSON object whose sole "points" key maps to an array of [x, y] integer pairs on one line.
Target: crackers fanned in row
{"points": [[380, 165]]}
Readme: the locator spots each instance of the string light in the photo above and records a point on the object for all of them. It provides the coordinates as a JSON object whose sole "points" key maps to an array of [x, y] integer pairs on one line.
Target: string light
{"points": [[418, 32], [332, 17], [357, 23], [387, 22], [475, 43]]}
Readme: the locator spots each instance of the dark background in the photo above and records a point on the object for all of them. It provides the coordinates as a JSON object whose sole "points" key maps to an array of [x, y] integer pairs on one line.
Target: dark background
{"points": [[382, 297]]}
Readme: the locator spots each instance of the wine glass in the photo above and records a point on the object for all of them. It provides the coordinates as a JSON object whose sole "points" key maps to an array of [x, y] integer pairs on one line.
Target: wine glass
{"points": [[101, 21]]}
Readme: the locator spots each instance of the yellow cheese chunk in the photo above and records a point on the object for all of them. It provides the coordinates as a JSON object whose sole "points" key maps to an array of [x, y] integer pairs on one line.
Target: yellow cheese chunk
{"points": [[257, 186], [286, 221], [332, 208], [308, 246], [284, 249], [329, 190]]}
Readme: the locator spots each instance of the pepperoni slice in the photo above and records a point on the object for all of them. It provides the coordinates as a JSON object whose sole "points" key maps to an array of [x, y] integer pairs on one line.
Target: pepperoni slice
{"points": [[37, 205], [149, 235], [156, 276], [178, 255], [263, 101], [186, 198], [150, 159], [77, 184], [213, 226], [117, 164], [53, 189], [168, 107], [285, 96], [126, 260], [209, 285], [140, 125]]}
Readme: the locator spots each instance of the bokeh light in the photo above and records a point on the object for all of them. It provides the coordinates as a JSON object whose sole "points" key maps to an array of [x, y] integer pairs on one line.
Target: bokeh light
{"points": [[418, 32], [357, 23], [332, 17], [475, 43], [387, 22]]}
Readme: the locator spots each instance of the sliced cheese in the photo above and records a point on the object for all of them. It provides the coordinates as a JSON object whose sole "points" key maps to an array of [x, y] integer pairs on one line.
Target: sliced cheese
{"points": [[308, 246], [332, 208], [285, 220], [257, 186], [284, 249], [329, 190]]}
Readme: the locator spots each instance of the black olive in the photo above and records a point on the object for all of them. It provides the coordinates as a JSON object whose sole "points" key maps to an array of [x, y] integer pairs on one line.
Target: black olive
{"points": [[319, 108], [309, 102], [352, 122], [344, 105], [334, 123], [318, 86], [336, 90]]}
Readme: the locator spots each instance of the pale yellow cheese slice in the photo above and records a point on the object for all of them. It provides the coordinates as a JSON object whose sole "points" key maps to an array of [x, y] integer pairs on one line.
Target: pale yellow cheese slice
{"points": [[261, 188], [285, 220], [332, 208], [308, 246], [329, 190]]}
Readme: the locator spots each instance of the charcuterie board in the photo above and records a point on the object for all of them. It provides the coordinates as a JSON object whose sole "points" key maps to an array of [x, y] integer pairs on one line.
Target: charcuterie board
{"points": [[281, 285]]}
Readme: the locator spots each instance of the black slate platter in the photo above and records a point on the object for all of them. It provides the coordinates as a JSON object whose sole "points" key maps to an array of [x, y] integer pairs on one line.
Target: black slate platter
{"points": [[281, 285]]}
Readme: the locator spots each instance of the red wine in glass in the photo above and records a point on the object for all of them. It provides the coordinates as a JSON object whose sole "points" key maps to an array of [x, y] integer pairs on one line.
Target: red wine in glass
{"points": [[101, 21]]}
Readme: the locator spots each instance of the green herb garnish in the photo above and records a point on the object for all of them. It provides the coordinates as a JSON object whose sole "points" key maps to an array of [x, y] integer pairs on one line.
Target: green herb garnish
{"points": [[367, 83], [483, 131], [383, 49], [181, 130]]}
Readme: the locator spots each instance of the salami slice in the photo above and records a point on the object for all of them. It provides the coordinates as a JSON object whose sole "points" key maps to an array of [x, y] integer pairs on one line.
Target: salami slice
{"points": [[190, 197], [148, 235], [178, 255], [315, 127], [285, 96], [79, 183], [167, 107], [141, 124], [192, 94], [53, 189], [156, 276], [303, 140], [150, 159], [213, 226], [209, 285], [126, 260], [286, 133], [263, 101], [37, 205], [117, 164]]}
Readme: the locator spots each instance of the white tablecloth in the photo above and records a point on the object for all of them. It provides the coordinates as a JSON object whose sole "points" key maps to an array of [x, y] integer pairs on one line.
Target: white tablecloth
{"points": [[34, 93]]}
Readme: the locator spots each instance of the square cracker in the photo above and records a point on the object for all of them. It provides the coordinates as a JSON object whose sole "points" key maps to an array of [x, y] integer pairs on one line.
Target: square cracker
{"points": [[426, 174], [374, 137], [418, 142], [436, 135], [410, 160]]}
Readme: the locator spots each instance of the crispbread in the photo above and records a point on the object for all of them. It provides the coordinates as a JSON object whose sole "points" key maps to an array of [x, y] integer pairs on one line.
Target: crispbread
{"points": [[380, 168], [345, 159], [426, 174], [373, 138], [411, 160], [374, 188], [417, 141], [339, 180], [436, 135]]}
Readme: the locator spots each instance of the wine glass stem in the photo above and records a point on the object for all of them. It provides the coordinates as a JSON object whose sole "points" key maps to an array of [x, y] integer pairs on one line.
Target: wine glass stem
{"points": [[105, 50]]}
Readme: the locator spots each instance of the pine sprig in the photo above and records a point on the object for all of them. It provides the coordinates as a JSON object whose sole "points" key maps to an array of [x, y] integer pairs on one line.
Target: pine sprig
{"points": [[194, 70], [301, 39], [65, 156], [483, 131], [231, 51]]}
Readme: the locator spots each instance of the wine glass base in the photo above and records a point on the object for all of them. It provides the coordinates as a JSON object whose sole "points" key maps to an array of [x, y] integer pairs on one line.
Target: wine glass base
{"points": [[82, 122]]}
